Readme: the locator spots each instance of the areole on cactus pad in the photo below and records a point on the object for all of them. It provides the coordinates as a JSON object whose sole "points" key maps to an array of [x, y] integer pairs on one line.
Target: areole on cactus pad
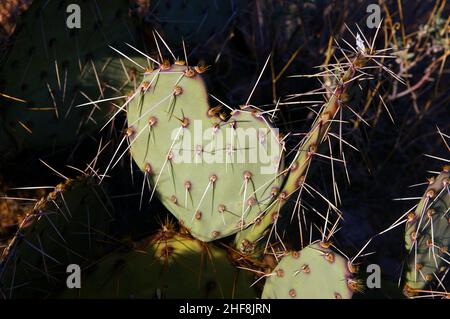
{"points": [[216, 175]]}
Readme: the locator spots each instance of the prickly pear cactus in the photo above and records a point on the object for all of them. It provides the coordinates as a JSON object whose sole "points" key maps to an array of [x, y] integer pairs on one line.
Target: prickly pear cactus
{"points": [[315, 272], [427, 238], [50, 69], [69, 226], [216, 175], [167, 265]]}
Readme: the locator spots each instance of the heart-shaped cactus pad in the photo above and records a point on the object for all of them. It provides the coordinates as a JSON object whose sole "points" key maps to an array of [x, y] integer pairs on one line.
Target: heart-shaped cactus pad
{"points": [[216, 173]]}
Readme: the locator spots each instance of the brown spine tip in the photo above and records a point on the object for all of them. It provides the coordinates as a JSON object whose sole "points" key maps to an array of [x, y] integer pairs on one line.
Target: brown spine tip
{"points": [[275, 216], [145, 86], [353, 285], [409, 291], [351, 267], [185, 122], [312, 149], [213, 111], [223, 116], [187, 185], [198, 215], [325, 244], [430, 193], [213, 178], [247, 175], [292, 293], [274, 191], [200, 69], [189, 72], [152, 121], [221, 208], [148, 168], [295, 254], [165, 65], [306, 269], [215, 233], [330, 257], [177, 90], [411, 217], [130, 131], [300, 181], [280, 272]]}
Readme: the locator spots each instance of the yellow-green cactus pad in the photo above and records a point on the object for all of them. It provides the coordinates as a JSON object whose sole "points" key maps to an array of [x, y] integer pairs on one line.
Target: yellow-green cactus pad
{"points": [[217, 176], [314, 272]]}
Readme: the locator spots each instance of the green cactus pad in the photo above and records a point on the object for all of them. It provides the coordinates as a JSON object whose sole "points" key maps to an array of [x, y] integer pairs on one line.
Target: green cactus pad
{"points": [[216, 176], [427, 237], [69, 226], [314, 272], [167, 265], [50, 69]]}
